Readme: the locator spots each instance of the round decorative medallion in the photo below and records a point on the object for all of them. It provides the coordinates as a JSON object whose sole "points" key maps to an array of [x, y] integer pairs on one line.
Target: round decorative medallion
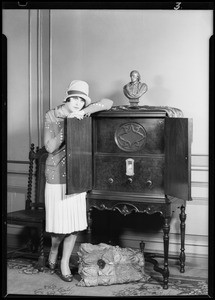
{"points": [[130, 137]]}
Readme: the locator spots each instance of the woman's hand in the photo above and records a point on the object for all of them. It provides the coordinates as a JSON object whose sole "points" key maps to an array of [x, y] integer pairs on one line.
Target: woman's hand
{"points": [[78, 114]]}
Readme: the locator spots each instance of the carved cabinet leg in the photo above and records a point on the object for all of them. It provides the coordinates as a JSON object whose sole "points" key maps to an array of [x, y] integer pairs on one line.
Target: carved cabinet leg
{"points": [[166, 229], [89, 227], [89, 221], [182, 256], [142, 246]]}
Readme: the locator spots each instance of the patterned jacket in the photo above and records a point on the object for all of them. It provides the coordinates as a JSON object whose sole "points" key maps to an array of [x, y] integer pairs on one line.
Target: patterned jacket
{"points": [[54, 141]]}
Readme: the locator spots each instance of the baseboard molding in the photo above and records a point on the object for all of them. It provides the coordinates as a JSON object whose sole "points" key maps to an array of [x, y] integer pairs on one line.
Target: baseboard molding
{"points": [[194, 245], [195, 259]]}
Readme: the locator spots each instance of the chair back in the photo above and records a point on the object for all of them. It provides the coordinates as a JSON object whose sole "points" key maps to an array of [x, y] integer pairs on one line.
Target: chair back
{"points": [[37, 162]]}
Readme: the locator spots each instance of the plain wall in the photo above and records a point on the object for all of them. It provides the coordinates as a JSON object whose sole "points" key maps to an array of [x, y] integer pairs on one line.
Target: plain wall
{"points": [[169, 48]]}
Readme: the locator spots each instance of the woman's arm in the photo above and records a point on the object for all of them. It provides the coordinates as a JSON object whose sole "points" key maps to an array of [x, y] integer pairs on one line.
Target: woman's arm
{"points": [[104, 104], [52, 141]]}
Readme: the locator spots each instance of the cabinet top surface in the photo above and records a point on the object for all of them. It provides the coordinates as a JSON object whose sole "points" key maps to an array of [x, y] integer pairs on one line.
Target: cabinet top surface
{"points": [[141, 111]]}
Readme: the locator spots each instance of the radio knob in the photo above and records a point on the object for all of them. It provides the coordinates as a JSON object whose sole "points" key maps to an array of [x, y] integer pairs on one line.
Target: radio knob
{"points": [[110, 180], [149, 183]]}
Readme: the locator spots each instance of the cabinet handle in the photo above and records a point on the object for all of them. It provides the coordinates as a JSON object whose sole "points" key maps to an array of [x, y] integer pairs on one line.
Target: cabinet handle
{"points": [[130, 180], [149, 183], [110, 180]]}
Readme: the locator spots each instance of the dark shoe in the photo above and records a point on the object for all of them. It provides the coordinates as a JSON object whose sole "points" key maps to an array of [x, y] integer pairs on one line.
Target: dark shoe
{"points": [[67, 278]]}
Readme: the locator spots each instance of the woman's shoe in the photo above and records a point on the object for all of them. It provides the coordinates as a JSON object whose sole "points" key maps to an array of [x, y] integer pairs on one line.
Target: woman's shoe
{"points": [[52, 265], [67, 278]]}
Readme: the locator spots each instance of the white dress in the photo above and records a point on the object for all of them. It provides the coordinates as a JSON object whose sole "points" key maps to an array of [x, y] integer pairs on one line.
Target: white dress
{"points": [[64, 213]]}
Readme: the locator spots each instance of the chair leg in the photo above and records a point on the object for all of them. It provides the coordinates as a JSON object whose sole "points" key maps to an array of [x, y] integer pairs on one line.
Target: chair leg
{"points": [[33, 241], [41, 259]]}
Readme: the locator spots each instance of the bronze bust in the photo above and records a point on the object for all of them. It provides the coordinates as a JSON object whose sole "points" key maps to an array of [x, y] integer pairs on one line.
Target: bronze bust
{"points": [[134, 89]]}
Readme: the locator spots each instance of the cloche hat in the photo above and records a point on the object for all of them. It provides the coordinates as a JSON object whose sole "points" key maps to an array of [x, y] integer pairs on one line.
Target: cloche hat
{"points": [[78, 88]]}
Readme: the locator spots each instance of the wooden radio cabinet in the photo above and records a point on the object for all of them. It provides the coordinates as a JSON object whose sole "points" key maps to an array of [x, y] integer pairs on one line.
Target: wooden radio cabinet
{"points": [[132, 160]]}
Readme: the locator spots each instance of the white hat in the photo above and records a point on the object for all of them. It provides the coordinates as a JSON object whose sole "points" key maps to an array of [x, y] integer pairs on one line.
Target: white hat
{"points": [[78, 88]]}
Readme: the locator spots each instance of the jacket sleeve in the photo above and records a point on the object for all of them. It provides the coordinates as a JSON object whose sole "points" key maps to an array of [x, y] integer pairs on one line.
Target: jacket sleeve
{"points": [[103, 104], [52, 141]]}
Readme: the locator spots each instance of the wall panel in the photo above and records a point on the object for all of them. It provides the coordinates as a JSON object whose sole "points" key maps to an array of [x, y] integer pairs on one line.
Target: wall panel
{"points": [[16, 28]]}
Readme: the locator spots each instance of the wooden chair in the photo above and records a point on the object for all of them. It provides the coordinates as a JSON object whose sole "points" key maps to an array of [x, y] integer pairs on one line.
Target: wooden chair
{"points": [[33, 216]]}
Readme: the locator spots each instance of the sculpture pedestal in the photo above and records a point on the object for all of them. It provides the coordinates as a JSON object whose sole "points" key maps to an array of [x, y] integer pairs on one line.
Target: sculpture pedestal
{"points": [[134, 102]]}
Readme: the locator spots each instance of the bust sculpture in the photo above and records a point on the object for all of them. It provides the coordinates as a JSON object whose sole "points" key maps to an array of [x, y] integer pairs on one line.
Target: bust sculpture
{"points": [[134, 89]]}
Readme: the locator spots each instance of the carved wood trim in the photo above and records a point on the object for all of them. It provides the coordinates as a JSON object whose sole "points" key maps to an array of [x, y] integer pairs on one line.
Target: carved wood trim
{"points": [[127, 208]]}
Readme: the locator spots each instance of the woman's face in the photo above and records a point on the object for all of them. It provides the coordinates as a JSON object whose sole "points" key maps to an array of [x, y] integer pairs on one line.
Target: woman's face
{"points": [[75, 104]]}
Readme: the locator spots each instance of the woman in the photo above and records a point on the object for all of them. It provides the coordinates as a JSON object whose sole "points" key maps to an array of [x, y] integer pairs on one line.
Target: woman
{"points": [[65, 214]]}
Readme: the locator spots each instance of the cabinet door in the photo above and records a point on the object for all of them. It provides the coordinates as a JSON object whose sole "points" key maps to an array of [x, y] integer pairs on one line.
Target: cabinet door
{"points": [[78, 135], [177, 173]]}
